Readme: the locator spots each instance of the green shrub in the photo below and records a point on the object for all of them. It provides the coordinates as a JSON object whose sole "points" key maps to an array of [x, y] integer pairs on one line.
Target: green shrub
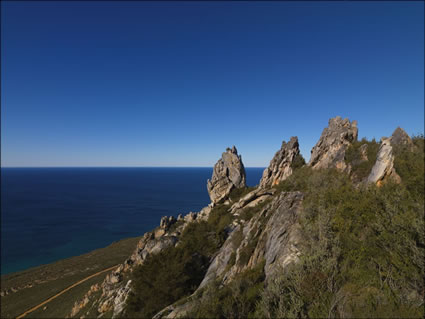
{"points": [[235, 300], [219, 219], [409, 164], [361, 168], [238, 193], [248, 212], [298, 162], [363, 247], [363, 250], [176, 272]]}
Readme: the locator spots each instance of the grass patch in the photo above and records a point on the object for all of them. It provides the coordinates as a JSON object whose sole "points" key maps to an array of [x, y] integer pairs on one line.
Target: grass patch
{"points": [[58, 276], [62, 305]]}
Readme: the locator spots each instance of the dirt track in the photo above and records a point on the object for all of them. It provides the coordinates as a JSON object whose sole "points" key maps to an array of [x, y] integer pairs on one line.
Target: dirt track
{"points": [[63, 291]]}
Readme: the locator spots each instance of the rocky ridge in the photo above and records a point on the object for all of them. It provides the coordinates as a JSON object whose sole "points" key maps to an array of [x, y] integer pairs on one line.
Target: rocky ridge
{"points": [[271, 236]]}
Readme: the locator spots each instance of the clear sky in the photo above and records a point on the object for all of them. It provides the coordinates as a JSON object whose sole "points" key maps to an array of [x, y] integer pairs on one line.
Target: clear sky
{"points": [[174, 83]]}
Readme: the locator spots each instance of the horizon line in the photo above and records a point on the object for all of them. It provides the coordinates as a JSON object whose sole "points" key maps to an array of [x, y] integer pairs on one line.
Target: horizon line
{"points": [[120, 166]]}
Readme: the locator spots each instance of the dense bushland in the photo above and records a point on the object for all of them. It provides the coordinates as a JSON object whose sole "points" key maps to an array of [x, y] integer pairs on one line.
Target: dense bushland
{"points": [[364, 247], [363, 251], [176, 272]]}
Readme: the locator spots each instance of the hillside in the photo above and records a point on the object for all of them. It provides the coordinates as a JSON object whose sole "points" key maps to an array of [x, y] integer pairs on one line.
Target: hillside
{"points": [[23, 290], [339, 236]]}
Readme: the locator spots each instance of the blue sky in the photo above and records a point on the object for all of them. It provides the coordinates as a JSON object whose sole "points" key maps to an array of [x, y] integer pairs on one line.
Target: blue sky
{"points": [[174, 84]]}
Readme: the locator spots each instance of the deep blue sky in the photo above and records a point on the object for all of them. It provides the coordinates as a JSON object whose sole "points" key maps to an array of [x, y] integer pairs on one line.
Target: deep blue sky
{"points": [[174, 84]]}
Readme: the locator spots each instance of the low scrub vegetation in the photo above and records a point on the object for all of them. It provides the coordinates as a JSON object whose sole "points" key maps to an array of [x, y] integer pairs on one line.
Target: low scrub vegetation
{"points": [[238, 299], [363, 251], [176, 272], [364, 247], [361, 164]]}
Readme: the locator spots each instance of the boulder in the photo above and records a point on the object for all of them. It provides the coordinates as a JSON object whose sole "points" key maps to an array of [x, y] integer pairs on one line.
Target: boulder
{"points": [[228, 173], [330, 149], [280, 167]]}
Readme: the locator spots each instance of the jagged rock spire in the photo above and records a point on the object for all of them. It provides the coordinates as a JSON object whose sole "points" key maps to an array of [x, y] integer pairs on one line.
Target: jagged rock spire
{"points": [[330, 149], [228, 173], [280, 167]]}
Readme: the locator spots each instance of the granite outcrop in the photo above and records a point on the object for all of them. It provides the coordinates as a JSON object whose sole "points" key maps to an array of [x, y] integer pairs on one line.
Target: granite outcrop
{"points": [[330, 150], [228, 173], [280, 166]]}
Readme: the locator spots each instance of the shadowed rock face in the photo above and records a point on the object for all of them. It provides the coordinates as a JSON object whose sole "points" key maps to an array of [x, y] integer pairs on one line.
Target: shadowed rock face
{"points": [[400, 137], [228, 173], [330, 149], [280, 166]]}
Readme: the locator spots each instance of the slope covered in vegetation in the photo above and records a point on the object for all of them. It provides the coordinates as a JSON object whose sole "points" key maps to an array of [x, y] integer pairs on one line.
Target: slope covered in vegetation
{"points": [[339, 236]]}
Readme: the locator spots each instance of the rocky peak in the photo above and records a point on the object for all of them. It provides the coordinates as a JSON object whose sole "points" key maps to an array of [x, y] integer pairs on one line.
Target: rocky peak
{"points": [[330, 149], [281, 165], [228, 173], [400, 137]]}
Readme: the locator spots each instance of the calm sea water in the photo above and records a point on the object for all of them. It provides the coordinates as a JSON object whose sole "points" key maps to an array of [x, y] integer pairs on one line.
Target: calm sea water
{"points": [[52, 213]]}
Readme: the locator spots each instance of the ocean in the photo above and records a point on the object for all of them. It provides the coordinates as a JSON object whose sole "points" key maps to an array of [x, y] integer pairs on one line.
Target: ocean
{"points": [[49, 214]]}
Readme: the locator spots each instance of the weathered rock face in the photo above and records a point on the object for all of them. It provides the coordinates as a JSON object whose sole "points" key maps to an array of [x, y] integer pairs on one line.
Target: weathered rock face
{"points": [[279, 242], [280, 166], [228, 173], [384, 165], [252, 199], [275, 230], [400, 137], [330, 149]]}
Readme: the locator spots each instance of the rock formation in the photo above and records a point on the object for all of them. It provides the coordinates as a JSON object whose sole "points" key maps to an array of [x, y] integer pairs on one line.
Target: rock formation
{"points": [[281, 165], [269, 236], [330, 149], [275, 229], [277, 233], [383, 168], [384, 165], [228, 173], [116, 288], [401, 138]]}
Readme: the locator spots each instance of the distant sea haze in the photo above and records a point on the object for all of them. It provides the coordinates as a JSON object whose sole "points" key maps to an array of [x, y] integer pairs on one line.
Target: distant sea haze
{"points": [[52, 213]]}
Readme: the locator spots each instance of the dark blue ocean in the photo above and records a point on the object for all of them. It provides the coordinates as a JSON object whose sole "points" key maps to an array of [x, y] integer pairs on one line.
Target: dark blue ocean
{"points": [[52, 213]]}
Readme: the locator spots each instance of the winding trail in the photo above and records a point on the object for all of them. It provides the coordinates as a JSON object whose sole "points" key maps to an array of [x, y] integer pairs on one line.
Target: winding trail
{"points": [[65, 290]]}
